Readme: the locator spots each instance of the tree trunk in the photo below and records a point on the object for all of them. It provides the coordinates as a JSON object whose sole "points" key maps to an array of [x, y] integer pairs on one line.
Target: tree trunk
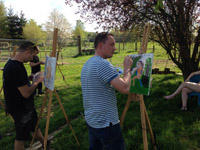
{"points": [[188, 67]]}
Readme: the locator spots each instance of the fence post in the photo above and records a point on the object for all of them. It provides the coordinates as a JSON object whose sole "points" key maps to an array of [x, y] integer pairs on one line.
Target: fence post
{"points": [[153, 48], [119, 47], [79, 44], [136, 46]]}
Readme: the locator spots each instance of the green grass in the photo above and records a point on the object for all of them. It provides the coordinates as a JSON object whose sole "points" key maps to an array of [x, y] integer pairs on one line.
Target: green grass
{"points": [[174, 129]]}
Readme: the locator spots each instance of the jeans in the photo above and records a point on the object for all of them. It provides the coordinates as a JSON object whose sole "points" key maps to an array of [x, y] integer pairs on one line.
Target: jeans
{"points": [[109, 138]]}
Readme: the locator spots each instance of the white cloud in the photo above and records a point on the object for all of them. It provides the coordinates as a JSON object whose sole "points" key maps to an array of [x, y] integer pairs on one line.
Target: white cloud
{"points": [[39, 10]]}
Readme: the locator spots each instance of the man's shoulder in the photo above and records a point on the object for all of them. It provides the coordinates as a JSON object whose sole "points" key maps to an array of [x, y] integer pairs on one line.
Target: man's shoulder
{"points": [[12, 65]]}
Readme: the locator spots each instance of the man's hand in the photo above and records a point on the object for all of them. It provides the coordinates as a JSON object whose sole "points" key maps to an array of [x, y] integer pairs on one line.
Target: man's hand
{"points": [[127, 64], [38, 77], [41, 62]]}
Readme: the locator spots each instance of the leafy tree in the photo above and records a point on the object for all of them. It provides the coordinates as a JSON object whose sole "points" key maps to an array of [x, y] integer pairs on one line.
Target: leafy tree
{"points": [[79, 29], [174, 24], [57, 20], [3, 21], [33, 32], [15, 24]]}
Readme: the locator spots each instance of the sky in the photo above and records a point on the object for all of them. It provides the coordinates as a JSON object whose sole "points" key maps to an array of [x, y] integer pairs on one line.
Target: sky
{"points": [[39, 10]]}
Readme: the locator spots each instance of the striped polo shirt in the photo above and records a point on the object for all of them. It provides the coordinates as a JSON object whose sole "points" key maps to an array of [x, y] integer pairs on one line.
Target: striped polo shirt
{"points": [[99, 100]]}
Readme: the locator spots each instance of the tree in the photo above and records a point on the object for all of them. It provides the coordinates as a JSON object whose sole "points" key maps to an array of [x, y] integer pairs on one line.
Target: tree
{"points": [[3, 21], [79, 30], [15, 24], [22, 23], [33, 32], [57, 20], [174, 22]]}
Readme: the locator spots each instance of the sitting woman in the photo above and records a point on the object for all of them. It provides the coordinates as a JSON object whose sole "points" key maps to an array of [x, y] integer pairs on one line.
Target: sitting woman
{"points": [[185, 88]]}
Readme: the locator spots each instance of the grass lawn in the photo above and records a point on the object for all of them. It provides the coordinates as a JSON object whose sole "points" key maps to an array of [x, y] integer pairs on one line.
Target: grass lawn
{"points": [[173, 128]]}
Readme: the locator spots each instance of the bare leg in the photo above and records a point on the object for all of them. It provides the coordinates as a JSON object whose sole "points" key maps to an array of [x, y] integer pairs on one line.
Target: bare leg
{"points": [[19, 145], [192, 86], [184, 95], [175, 93]]}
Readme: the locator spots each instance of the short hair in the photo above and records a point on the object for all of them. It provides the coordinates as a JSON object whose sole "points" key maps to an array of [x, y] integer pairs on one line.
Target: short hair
{"points": [[101, 37], [28, 46]]}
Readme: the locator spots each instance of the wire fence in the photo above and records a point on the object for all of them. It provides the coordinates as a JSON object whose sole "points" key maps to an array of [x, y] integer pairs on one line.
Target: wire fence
{"points": [[71, 47]]}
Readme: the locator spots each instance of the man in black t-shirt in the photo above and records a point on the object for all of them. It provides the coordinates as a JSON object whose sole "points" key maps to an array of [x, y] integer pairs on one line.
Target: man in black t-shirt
{"points": [[19, 96], [35, 67]]}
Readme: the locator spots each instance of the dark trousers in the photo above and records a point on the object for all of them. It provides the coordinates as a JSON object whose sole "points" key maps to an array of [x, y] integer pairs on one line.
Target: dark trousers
{"points": [[38, 90], [109, 138]]}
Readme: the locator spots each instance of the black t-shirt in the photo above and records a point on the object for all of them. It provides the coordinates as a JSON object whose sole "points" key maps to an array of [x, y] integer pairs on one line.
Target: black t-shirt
{"points": [[36, 68], [14, 76]]}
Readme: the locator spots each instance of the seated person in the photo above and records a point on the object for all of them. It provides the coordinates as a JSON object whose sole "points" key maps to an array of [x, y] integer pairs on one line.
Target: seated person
{"points": [[185, 88]]}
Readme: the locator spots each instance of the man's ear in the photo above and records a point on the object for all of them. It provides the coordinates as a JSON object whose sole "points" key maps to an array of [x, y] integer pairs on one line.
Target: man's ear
{"points": [[100, 45], [28, 51]]}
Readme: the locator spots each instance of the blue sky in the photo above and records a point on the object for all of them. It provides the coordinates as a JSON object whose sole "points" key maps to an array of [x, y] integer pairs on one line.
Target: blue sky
{"points": [[39, 10]]}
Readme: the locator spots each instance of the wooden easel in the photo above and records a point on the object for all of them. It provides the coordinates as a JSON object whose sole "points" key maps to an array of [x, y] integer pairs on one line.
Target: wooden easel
{"points": [[48, 91], [138, 97]]}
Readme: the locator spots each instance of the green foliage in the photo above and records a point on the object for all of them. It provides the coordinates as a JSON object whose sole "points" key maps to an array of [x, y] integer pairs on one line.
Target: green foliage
{"points": [[15, 24], [33, 32], [79, 30], [3, 21]]}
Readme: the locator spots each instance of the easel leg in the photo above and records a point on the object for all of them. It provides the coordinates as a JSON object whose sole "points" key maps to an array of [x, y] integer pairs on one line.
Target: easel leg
{"points": [[143, 122], [66, 117], [2, 105], [150, 129], [62, 75], [130, 97], [48, 119], [39, 118]]}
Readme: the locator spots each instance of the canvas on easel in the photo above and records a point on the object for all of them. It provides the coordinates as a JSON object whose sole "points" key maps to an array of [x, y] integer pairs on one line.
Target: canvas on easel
{"points": [[49, 73], [141, 73]]}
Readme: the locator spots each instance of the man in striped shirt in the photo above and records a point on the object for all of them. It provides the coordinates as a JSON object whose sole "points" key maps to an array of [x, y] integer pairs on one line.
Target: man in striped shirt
{"points": [[99, 79]]}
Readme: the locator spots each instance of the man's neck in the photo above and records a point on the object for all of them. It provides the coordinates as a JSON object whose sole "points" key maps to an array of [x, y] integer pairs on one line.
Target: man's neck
{"points": [[98, 53], [18, 57]]}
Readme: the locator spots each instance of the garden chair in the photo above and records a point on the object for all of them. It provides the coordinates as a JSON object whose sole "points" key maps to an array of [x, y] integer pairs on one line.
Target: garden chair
{"points": [[195, 79]]}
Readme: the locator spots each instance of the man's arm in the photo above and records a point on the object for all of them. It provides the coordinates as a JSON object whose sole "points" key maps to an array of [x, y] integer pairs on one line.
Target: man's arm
{"points": [[27, 91], [123, 84], [32, 64], [192, 74]]}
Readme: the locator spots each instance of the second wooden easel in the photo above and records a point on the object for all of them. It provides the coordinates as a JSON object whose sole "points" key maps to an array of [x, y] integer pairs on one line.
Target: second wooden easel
{"points": [[138, 97], [48, 91]]}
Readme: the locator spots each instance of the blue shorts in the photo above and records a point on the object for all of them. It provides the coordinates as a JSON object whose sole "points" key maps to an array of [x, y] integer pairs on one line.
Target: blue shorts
{"points": [[110, 138], [25, 124]]}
